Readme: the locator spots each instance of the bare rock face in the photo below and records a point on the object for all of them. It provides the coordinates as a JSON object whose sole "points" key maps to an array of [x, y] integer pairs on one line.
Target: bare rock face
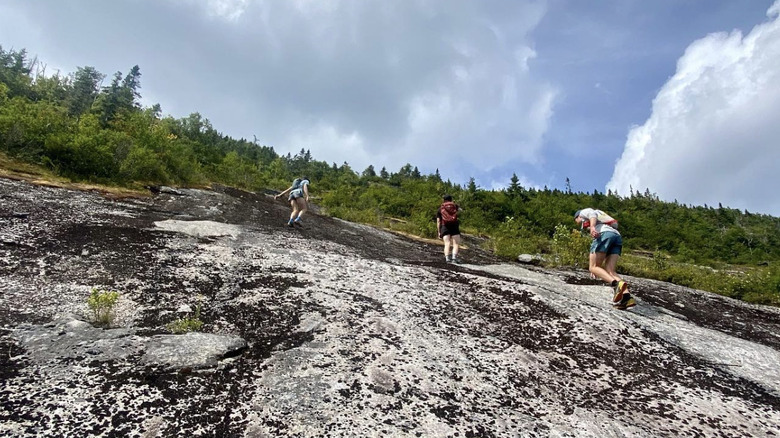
{"points": [[190, 350], [338, 329], [70, 338]]}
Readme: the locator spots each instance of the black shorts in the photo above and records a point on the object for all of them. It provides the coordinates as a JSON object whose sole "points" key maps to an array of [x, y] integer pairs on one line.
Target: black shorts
{"points": [[452, 229]]}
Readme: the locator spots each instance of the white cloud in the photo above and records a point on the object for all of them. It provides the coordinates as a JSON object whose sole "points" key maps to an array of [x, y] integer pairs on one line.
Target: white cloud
{"points": [[228, 9], [713, 135]]}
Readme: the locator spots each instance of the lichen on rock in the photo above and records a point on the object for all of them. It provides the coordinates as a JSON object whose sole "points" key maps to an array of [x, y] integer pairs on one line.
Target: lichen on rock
{"points": [[339, 329]]}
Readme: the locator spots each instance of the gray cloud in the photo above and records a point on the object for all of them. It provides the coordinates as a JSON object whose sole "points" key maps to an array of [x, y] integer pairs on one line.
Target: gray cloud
{"points": [[439, 84]]}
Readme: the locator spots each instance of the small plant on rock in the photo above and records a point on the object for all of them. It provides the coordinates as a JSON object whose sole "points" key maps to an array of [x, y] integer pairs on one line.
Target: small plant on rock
{"points": [[102, 303], [188, 324]]}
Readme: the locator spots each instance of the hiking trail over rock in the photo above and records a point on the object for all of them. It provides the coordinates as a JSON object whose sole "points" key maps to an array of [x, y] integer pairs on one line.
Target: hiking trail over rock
{"points": [[341, 329]]}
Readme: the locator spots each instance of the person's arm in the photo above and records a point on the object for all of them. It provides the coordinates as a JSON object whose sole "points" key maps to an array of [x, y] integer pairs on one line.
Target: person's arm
{"points": [[306, 192], [438, 225], [592, 227], [283, 193]]}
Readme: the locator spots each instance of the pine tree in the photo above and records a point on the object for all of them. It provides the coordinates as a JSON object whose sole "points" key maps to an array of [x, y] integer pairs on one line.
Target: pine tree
{"points": [[514, 185], [130, 86], [472, 186], [369, 172], [83, 91]]}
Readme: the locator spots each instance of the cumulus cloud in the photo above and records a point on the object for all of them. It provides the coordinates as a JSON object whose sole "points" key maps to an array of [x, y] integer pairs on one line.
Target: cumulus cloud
{"points": [[713, 135]]}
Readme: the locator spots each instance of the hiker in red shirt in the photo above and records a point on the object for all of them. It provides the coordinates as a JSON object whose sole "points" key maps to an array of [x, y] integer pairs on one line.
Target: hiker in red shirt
{"points": [[449, 228]]}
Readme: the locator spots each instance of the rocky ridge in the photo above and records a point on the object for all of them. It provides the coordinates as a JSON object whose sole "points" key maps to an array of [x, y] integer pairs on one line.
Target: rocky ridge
{"points": [[340, 329]]}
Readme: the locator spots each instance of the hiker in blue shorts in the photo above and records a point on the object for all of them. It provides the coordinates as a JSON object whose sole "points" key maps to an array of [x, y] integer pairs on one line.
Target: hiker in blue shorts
{"points": [[605, 252], [299, 197]]}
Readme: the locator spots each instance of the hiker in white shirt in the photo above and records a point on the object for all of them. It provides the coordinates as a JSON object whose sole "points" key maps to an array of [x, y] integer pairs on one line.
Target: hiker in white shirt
{"points": [[605, 252]]}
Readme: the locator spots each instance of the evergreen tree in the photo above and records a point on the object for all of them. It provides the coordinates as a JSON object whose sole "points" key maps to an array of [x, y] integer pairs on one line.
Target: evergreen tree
{"points": [[129, 91], [155, 111], [472, 186], [514, 185], [369, 172], [405, 171], [15, 72], [84, 91]]}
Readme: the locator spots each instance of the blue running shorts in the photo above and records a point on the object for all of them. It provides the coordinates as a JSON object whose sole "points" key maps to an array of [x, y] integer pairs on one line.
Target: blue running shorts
{"points": [[610, 243]]}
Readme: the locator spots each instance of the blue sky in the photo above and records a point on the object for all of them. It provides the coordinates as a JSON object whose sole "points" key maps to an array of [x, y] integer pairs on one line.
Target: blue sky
{"points": [[677, 96]]}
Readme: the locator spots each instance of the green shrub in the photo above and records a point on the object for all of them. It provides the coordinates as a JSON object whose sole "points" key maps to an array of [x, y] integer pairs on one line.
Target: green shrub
{"points": [[184, 325], [511, 239], [659, 261], [142, 164], [102, 303], [187, 324], [569, 248], [423, 223]]}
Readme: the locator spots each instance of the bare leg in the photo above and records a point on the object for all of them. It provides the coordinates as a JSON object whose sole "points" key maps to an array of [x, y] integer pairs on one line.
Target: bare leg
{"points": [[596, 260], [447, 239], [610, 265], [294, 206], [455, 245], [301, 206]]}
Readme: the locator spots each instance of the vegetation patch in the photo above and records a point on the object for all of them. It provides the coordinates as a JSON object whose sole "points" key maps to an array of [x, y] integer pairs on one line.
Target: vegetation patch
{"points": [[101, 303], [190, 323]]}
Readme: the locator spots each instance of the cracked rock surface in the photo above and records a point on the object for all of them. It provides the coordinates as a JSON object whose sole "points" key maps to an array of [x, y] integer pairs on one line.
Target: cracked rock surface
{"points": [[339, 329]]}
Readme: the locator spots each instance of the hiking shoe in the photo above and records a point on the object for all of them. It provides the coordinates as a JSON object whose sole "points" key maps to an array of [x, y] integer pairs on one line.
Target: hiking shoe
{"points": [[626, 302], [620, 290], [456, 260], [290, 224], [448, 259], [299, 223]]}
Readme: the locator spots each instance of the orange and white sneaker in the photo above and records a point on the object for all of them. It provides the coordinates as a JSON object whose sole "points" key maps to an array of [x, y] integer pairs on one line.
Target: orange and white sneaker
{"points": [[620, 290], [626, 302]]}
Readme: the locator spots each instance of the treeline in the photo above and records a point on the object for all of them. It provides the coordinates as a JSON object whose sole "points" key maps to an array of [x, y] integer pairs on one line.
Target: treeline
{"points": [[86, 128], [521, 219]]}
